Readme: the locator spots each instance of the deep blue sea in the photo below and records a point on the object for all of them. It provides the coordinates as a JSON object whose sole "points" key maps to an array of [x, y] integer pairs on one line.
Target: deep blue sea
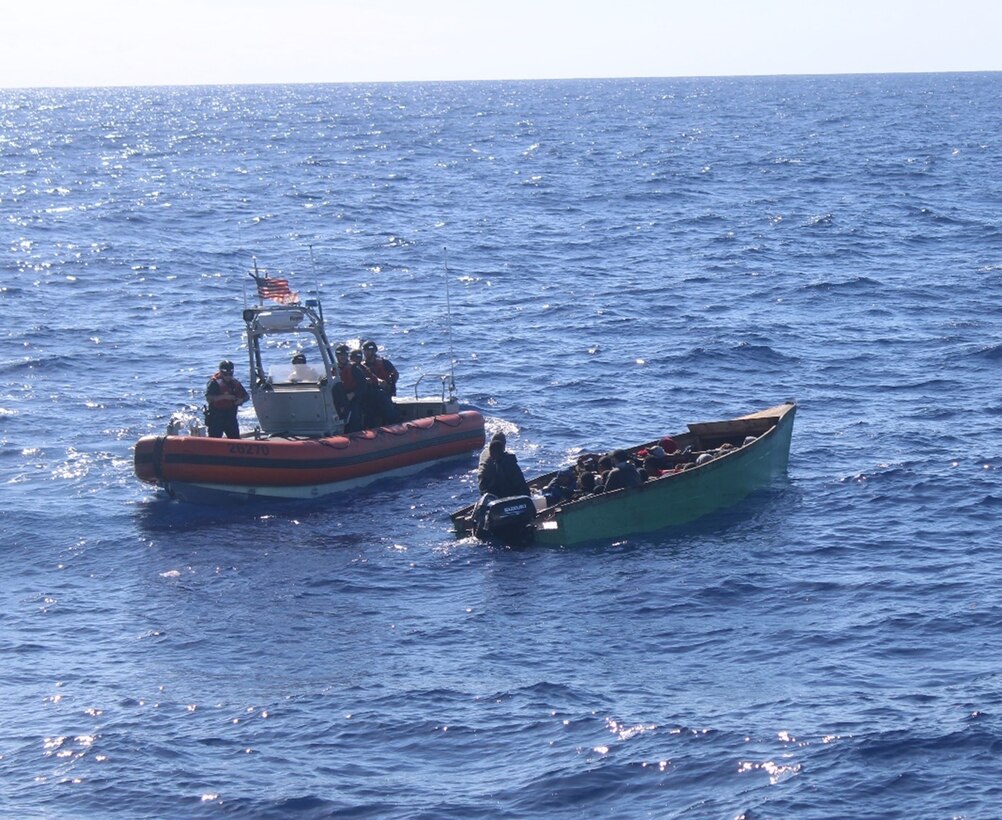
{"points": [[618, 258]]}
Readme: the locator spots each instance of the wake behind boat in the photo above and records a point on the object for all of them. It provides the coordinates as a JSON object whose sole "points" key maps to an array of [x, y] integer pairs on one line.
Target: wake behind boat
{"points": [[717, 464], [301, 446]]}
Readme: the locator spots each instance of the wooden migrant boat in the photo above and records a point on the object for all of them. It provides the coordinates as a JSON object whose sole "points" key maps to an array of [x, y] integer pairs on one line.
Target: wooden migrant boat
{"points": [[299, 447], [742, 455]]}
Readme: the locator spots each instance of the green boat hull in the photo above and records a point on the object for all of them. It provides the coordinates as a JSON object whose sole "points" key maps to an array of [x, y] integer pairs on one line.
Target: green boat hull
{"points": [[681, 498]]}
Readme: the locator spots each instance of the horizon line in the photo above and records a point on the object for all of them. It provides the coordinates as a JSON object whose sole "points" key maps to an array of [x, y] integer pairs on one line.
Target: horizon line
{"points": [[255, 84]]}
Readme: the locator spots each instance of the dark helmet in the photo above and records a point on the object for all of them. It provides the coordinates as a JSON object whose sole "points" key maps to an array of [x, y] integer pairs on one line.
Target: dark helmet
{"points": [[341, 349], [356, 354], [226, 366], [299, 358], [370, 345]]}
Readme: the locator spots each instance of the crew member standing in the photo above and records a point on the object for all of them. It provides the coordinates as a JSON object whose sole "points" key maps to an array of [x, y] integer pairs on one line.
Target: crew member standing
{"points": [[382, 368], [223, 395], [353, 387], [378, 400]]}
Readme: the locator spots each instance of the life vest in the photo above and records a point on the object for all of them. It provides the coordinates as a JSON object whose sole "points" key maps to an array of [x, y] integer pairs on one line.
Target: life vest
{"points": [[382, 368], [216, 402], [368, 376], [348, 378], [385, 372], [355, 377]]}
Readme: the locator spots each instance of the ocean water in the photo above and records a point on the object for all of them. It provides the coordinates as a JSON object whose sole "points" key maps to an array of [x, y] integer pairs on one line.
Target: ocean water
{"points": [[604, 262]]}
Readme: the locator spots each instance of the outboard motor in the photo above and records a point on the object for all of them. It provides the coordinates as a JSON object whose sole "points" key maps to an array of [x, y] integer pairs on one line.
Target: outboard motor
{"points": [[508, 520]]}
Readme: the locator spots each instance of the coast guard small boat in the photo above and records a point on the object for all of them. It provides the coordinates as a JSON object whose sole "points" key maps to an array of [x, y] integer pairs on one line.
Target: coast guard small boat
{"points": [[299, 448]]}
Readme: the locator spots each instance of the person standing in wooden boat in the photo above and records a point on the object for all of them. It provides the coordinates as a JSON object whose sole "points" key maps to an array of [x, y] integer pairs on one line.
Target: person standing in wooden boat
{"points": [[223, 395], [486, 452], [500, 475]]}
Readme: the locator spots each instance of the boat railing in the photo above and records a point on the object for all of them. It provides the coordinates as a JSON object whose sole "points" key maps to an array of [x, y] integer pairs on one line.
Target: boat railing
{"points": [[444, 378]]}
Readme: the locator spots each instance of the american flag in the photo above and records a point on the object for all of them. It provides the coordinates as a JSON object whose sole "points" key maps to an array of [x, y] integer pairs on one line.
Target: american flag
{"points": [[276, 289]]}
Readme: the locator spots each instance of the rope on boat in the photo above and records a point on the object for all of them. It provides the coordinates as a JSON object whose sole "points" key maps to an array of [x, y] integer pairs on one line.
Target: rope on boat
{"points": [[444, 420]]}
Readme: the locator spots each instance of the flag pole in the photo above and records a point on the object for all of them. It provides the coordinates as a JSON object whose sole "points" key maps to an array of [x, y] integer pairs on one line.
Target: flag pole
{"points": [[257, 282]]}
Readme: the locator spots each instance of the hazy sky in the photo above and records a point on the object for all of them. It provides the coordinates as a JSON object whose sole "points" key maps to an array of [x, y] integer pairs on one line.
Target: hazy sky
{"points": [[165, 42]]}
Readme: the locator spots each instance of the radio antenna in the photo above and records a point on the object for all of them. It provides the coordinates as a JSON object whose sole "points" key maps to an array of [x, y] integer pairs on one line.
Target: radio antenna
{"points": [[316, 284], [448, 311]]}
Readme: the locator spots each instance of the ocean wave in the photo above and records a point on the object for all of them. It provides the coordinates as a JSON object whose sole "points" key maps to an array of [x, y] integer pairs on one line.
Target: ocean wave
{"points": [[624, 257]]}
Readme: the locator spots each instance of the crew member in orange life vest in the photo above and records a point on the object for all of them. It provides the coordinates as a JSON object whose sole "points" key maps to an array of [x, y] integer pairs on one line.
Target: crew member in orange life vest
{"points": [[381, 368], [377, 401], [224, 394], [353, 386]]}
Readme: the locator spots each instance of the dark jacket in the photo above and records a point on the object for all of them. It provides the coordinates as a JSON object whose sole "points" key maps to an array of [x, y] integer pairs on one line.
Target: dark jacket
{"points": [[501, 476], [624, 474], [562, 488]]}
